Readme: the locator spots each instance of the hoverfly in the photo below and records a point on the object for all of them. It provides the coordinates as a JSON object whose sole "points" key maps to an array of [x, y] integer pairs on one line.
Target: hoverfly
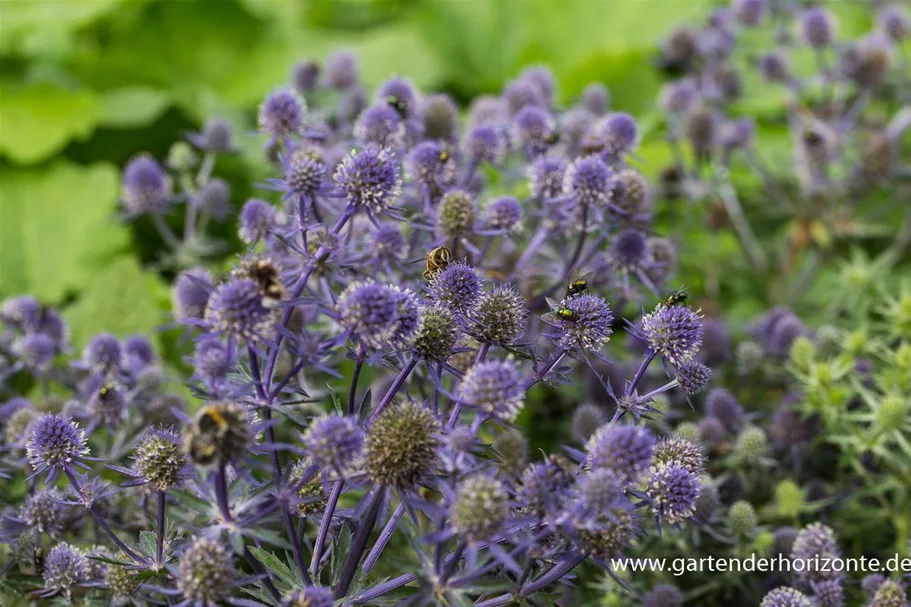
{"points": [[437, 260], [264, 273], [676, 298], [558, 312], [398, 105], [579, 285]]}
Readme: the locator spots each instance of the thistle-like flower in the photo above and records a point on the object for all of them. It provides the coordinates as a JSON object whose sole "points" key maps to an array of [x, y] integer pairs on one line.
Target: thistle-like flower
{"points": [[190, 294], [205, 572], [369, 179], [380, 125], [378, 316], [457, 287], [159, 460], [502, 315], [146, 187], [437, 335], [589, 328], [785, 596], [673, 332], [588, 181], [334, 443], [625, 450], [480, 507], [55, 442], [282, 114], [672, 490], [64, 568], [400, 446], [237, 308], [494, 387]]}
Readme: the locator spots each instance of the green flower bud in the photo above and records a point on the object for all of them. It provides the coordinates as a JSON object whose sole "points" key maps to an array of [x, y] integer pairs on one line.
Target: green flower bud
{"points": [[788, 499], [742, 519], [890, 413], [751, 444], [802, 353]]}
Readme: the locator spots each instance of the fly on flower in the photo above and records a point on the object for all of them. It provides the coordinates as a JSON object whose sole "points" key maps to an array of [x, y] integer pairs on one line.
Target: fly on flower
{"points": [[578, 285], [558, 312], [676, 298]]}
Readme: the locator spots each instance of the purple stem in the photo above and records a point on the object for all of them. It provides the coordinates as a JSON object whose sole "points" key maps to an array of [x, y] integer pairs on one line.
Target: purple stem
{"points": [[359, 543], [553, 574], [384, 537], [553, 362], [352, 392], [533, 245], [646, 361], [325, 524], [394, 388], [162, 506], [381, 589], [221, 492]]}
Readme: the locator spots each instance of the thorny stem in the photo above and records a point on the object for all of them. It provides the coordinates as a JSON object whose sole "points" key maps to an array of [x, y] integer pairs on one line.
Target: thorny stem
{"points": [[579, 245], [646, 361], [323, 532], [384, 537], [359, 543], [394, 388], [98, 518], [553, 574]]}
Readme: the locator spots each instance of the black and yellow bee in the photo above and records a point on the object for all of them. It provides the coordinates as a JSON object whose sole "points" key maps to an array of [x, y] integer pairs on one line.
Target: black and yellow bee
{"points": [[676, 298], [398, 105], [578, 285], [205, 434], [264, 273], [437, 260]]}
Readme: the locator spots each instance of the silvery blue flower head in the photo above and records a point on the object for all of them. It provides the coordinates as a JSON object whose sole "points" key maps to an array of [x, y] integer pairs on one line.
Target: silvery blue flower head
{"points": [[310, 596], [380, 125], [520, 93], [480, 507], [663, 595], [401, 94], [589, 329], [542, 78], [431, 166], [494, 387], [895, 21], [146, 187], [108, 404], [543, 488], [190, 294], [774, 66], [486, 143], [400, 447], [546, 175], [786, 596], [342, 70], [103, 354], [816, 541], [305, 76], [678, 97], [693, 376], [588, 181], [501, 315], [387, 243], [723, 406], [281, 114], [616, 133], [378, 316], [55, 442], [673, 332], [503, 213], [817, 27], [159, 461], [750, 12], [215, 136], [36, 352], [44, 511], [237, 308], [437, 335], [334, 443], [440, 117], [22, 312], [629, 251], [457, 287], [64, 568], [211, 359], [304, 170], [625, 450], [672, 490], [205, 572], [257, 220], [595, 98], [369, 179], [599, 490], [534, 129]]}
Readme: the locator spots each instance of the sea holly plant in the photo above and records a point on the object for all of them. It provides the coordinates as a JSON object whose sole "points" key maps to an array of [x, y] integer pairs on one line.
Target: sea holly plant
{"points": [[286, 479]]}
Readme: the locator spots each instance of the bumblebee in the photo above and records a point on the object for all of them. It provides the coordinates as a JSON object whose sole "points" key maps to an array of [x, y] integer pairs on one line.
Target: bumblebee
{"points": [[398, 105], [264, 273], [578, 286], [552, 138], [217, 432], [437, 260], [676, 298]]}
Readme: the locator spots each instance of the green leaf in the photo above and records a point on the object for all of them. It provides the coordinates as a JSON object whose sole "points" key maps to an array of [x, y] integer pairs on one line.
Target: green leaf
{"points": [[149, 542], [40, 119], [122, 299], [276, 566], [57, 228], [132, 106]]}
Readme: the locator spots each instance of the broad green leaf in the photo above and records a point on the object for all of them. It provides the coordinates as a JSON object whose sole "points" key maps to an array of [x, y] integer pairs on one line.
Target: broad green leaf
{"points": [[121, 299], [57, 228], [40, 119], [28, 25], [132, 106]]}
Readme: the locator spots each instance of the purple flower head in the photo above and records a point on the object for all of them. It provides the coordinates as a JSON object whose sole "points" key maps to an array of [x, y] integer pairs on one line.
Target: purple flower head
{"points": [[543, 488], [774, 66], [146, 187], [64, 568], [673, 332], [494, 387], [437, 335], [139, 352], [479, 508], [305, 76], [681, 451], [103, 354], [502, 314], [190, 294], [588, 180], [673, 490], [342, 70], [693, 376], [895, 21], [108, 404], [738, 134], [677, 97], [334, 443], [503, 213], [486, 143], [616, 133], [380, 125], [257, 221], [542, 78], [159, 460], [590, 326], [211, 360], [488, 110], [681, 48], [707, 503], [534, 128], [35, 351], [388, 243], [22, 312], [867, 61], [401, 94], [401, 445], [10, 407], [782, 337], [369, 178], [890, 593], [829, 593], [637, 198], [310, 596], [750, 12], [546, 175], [815, 541], [215, 136], [378, 316], [629, 251], [441, 117], [237, 308], [431, 166], [43, 511], [205, 572], [595, 98], [600, 490], [213, 198], [303, 174], [55, 442], [723, 406], [282, 114], [700, 126], [870, 584], [663, 595], [456, 287], [606, 536], [785, 596], [520, 93], [817, 27], [625, 450]]}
